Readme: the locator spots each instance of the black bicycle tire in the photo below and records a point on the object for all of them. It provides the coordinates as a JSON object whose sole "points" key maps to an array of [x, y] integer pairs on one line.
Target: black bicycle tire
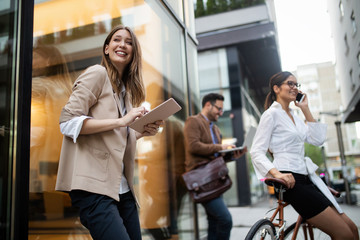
{"points": [[290, 229], [258, 226]]}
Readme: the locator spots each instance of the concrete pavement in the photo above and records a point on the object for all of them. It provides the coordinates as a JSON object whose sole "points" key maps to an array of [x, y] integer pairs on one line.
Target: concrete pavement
{"points": [[245, 217]]}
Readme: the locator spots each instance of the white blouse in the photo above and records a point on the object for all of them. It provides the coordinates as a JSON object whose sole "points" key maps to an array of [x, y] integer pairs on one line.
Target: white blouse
{"points": [[278, 133]]}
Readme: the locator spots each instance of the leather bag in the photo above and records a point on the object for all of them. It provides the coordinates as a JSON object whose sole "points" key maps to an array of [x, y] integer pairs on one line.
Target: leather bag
{"points": [[208, 181]]}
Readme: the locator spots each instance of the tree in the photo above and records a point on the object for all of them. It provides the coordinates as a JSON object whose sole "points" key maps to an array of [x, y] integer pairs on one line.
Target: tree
{"points": [[200, 11], [314, 153], [223, 5], [234, 4], [211, 7]]}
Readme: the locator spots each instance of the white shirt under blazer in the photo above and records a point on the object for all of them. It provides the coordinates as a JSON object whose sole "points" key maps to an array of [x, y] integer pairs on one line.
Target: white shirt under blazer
{"points": [[95, 162]]}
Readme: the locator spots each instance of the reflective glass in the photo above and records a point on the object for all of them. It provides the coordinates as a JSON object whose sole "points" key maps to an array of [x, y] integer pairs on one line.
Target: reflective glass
{"points": [[66, 44], [193, 80], [189, 16], [177, 6], [8, 40], [214, 75]]}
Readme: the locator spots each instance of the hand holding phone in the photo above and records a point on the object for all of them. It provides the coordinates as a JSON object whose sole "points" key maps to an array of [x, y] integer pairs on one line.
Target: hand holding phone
{"points": [[300, 97]]}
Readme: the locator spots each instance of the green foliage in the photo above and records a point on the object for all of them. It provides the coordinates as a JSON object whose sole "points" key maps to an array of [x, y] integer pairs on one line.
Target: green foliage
{"points": [[234, 4], [218, 6], [211, 7], [314, 153], [200, 11], [223, 5]]}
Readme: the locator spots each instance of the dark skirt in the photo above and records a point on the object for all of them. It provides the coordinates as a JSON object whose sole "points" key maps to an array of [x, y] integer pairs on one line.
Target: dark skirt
{"points": [[305, 197]]}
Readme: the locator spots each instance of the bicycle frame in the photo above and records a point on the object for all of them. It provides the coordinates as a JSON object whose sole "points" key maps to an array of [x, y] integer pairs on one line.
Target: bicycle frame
{"points": [[281, 222], [306, 228]]}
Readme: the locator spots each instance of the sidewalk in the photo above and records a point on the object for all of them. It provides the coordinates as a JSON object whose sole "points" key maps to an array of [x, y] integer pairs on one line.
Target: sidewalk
{"points": [[245, 217]]}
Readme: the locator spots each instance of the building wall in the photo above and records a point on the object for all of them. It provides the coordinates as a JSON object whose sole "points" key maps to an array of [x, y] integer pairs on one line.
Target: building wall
{"points": [[231, 19], [320, 83], [75, 30], [345, 23], [237, 54]]}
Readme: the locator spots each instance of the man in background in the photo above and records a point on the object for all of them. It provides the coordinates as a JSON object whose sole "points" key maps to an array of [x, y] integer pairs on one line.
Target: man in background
{"points": [[202, 143]]}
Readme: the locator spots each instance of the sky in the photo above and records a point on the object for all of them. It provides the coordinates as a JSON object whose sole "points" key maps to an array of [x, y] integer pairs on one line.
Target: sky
{"points": [[304, 33]]}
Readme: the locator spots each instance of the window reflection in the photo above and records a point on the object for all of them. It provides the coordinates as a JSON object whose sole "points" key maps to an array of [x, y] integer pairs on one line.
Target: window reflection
{"points": [[75, 39], [51, 88]]}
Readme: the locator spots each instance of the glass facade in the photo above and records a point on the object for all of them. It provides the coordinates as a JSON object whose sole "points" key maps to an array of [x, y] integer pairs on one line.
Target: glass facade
{"points": [[67, 38], [240, 112], [8, 40]]}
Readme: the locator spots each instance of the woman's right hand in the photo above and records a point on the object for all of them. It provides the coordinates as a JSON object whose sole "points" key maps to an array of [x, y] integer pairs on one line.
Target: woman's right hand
{"points": [[133, 114], [287, 177]]}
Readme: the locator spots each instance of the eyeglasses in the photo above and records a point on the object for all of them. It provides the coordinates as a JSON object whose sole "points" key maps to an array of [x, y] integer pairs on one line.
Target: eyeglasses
{"points": [[293, 84], [218, 108]]}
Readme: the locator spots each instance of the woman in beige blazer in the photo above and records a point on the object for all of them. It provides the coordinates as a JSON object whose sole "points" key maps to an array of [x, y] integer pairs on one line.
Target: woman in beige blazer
{"points": [[97, 157]]}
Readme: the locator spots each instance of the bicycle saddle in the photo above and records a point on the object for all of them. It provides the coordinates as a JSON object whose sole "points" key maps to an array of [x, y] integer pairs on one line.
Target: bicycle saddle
{"points": [[276, 183]]}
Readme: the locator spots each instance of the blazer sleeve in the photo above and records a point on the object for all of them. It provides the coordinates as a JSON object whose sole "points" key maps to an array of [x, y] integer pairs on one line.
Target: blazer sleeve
{"points": [[86, 90], [192, 133]]}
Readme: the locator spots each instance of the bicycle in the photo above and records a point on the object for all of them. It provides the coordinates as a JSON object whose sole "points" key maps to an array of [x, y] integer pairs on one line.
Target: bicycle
{"points": [[267, 228]]}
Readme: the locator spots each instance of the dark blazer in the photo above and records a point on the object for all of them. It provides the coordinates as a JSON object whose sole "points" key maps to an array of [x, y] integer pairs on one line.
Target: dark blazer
{"points": [[199, 145], [94, 162]]}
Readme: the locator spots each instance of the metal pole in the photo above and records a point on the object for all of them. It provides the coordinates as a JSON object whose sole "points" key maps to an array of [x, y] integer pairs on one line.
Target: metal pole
{"points": [[343, 161], [195, 221], [327, 179]]}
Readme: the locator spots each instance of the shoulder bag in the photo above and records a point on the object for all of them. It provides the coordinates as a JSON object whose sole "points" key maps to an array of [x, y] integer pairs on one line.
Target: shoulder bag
{"points": [[208, 181]]}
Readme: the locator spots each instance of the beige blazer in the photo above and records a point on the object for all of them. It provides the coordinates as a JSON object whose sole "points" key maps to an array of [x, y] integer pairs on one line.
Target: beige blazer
{"points": [[199, 145], [94, 162]]}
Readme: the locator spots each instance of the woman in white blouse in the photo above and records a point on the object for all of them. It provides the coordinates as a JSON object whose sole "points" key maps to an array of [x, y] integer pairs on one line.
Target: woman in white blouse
{"points": [[283, 134]]}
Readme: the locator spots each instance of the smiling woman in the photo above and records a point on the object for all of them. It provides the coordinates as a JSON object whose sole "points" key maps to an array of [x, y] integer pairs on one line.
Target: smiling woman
{"points": [[158, 161]]}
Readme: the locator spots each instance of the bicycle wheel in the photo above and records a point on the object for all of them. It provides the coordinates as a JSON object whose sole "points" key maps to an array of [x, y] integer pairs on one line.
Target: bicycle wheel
{"points": [[304, 233], [262, 229]]}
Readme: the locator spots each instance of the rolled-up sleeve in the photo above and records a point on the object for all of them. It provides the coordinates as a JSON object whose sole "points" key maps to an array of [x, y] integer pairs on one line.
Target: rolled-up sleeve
{"points": [[261, 144], [73, 127], [316, 133]]}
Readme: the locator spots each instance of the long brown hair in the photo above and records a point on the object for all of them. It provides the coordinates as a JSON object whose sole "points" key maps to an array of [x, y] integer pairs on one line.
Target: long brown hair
{"points": [[276, 79], [132, 75]]}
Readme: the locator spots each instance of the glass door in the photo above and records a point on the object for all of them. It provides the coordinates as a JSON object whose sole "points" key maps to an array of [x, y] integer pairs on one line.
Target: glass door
{"points": [[6, 108], [15, 82]]}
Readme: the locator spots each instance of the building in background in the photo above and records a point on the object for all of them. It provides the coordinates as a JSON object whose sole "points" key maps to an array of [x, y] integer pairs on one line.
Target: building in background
{"points": [[74, 31], [345, 24], [237, 54], [321, 84]]}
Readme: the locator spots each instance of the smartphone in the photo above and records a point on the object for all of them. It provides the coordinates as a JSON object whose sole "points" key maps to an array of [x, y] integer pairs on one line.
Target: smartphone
{"points": [[300, 97]]}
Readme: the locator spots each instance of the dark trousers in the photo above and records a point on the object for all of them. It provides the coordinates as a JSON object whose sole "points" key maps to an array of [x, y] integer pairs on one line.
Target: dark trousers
{"points": [[219, 219], [106, 218]]}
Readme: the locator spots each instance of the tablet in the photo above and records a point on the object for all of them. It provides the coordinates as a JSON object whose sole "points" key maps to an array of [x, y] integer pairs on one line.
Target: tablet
{"points": [[231, 149], [161, 112], [247, 142]]}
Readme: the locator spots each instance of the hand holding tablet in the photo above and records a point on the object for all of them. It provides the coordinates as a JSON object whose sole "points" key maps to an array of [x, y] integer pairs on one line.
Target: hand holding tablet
{"points": [[247, 142], [161, 112]]}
